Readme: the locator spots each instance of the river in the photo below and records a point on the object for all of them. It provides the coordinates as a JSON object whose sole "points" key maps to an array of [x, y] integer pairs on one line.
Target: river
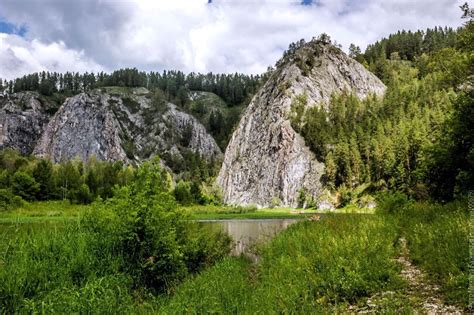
{"points": [[247, 233]]}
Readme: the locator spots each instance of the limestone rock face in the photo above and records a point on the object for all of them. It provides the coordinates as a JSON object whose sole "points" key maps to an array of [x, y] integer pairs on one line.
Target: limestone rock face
{"points": [[22, 120], [117, 124], [266, 161], [122, 127], [84, 126]]}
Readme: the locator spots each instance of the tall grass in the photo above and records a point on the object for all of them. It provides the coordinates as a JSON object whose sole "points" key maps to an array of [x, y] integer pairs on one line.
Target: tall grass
{"points": [[36, 260], [438, 239], [105, 263], [311, 267]]}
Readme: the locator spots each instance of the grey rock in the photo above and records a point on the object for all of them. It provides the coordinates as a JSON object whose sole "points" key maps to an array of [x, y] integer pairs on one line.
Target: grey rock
{"points": [[22, 120], [266, 159], [122, 127], [115, 124], [84, 126]]}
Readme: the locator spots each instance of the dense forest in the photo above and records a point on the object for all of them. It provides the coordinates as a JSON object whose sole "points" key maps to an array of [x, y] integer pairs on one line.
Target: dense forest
{"points": [[418, 138]]}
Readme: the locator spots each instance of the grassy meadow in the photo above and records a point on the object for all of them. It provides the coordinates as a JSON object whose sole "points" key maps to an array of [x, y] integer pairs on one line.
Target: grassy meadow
{"points": [[81, 263]]}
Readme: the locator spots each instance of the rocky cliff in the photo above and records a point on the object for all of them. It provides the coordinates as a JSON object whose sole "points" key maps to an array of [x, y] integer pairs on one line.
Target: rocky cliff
{"points": [[266, 161], [124, 126], [23, 117], [111, 124]]}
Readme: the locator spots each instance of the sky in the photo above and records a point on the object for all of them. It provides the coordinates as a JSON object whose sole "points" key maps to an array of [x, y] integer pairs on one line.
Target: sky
{"points": [[193, 35]]}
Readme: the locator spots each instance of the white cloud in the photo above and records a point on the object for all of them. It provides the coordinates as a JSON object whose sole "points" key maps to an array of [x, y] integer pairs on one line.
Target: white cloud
{"points": [[19, 57], [190, 35]]}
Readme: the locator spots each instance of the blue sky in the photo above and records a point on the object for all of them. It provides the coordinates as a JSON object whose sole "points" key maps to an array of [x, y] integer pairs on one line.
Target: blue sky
{"points": [[191, 35], [9, 28]]}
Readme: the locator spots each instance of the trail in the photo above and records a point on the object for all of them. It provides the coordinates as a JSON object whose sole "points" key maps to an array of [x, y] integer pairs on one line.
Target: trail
{"points": [[420, 287], [421, 293]]}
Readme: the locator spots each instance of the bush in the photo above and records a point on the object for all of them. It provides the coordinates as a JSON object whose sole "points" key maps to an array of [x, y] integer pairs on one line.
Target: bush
{"points": [[182, 193], [143, 224], [392, 203], [82, 195], [24, 185], [8, 200]]}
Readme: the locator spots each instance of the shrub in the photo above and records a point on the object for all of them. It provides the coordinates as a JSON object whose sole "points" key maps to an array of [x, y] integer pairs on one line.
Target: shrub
{"points": [[392, 203], [182, 193], [24, 185], [82, 195], [8, 200], [143, 224]]}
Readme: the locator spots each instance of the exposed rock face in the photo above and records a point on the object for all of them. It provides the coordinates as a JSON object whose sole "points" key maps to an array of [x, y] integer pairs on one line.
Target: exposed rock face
{"points": [[22, 120], [126, 127], [192, 132], [82, 127], [111, 124], [266, 161]]}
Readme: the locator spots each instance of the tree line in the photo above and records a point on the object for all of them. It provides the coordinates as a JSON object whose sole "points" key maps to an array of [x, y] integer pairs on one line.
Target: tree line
{"points": [[232, 88], [27, 178]]}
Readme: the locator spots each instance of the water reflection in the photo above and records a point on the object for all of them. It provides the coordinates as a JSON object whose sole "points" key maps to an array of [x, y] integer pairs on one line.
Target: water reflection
{"points": [[246, 233]]}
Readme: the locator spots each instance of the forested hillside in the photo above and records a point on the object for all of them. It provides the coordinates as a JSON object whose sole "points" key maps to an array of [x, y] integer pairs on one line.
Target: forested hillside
{"points": [[418, 138]]}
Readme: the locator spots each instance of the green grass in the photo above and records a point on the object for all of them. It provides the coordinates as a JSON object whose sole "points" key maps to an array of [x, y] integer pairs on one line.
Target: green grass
{"points": [[43, 211], [53, 211], [312, 267], [438, 240], [213, 212]]}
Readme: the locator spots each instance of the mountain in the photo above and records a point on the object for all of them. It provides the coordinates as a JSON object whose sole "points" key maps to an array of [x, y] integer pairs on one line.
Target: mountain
{"points": [[267, 162], [126, 124]]}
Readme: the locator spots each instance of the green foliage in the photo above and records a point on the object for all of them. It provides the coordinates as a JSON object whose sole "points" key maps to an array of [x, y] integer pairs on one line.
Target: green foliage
{"points": [[438, 239], [175, 85], [450, 169], [131, 104], [302, 198], [24, 185], [43, 174], [312, 267], [110, 294], [137, 241], [158, 101], [8, 200], [409, 45], [223, 289], [416, 139], [182, 193]]}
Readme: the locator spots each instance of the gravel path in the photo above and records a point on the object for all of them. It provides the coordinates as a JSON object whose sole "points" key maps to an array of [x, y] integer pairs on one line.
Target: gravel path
{"points": [[418, 285], [420, 297]]}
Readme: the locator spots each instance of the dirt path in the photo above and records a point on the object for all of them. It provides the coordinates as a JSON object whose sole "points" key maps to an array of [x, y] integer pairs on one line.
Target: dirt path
{"points": [[420, 287], [421, 296]]}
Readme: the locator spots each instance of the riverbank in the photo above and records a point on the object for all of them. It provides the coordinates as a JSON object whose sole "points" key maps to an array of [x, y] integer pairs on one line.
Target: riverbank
{"points": [[54, 211]]}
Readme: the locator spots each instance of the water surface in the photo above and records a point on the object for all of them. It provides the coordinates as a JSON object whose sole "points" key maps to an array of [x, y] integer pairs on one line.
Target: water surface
{"points": [[246, 233]]}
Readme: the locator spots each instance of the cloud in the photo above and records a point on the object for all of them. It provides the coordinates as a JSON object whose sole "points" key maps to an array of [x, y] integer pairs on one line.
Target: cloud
{"points": [[19, 56], [194, 35]]}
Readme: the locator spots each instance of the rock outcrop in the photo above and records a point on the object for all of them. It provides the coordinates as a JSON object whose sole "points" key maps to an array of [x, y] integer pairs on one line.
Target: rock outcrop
{"points": [[123, 126], [22, 120], [117, 124], [84, 126], [266, 161]]}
